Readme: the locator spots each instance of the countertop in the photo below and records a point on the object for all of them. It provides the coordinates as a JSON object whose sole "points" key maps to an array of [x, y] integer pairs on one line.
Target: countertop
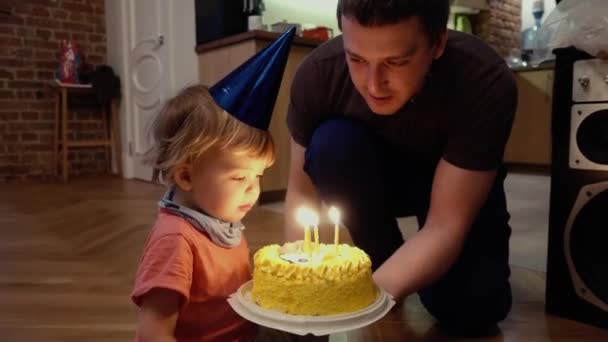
{"points": [[255, 34], [543, 66], [310, 42]]}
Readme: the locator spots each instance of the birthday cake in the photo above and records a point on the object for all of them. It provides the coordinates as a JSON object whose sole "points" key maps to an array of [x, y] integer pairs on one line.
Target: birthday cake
{"points": [[335, 281]]}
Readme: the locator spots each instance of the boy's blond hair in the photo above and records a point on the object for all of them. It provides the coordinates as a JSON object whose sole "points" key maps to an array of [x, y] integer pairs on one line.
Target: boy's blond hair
{"points": [[191, 123]]}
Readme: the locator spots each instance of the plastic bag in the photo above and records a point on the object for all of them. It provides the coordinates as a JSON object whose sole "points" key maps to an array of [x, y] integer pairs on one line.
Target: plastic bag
{"points": [[579, 23]]}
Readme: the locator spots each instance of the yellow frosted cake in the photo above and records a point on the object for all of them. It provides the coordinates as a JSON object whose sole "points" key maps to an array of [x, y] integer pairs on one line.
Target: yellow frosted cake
{"points": [[285, 280]]}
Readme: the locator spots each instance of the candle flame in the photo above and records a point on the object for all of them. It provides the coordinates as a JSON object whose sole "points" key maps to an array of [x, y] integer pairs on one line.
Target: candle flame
{"points": [[334, 215], [305, 216]]}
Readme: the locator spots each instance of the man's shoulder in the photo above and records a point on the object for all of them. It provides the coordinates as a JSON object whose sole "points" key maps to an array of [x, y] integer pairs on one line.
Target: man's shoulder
{"points": [[329, 53], [468, 55], [464, 45], [471, 64], [324, 68]]}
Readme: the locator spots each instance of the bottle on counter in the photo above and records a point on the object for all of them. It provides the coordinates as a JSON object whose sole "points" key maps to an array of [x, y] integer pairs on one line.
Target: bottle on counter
{"points": [[529, 35]]}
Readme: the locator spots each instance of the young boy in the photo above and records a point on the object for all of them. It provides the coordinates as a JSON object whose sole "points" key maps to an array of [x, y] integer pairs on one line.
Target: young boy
{"points": [[211, 147]]}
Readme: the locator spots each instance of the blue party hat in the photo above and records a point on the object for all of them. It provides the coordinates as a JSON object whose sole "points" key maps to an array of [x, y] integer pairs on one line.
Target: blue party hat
{"points": [[250, 91]]}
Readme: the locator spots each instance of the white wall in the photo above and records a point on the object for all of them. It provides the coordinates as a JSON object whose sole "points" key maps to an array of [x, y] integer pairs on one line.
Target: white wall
{"points": [[527, 19], [317, 12]]}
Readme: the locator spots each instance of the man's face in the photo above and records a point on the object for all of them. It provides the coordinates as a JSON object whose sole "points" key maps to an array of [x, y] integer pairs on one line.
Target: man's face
{"points": [[388, 63]]}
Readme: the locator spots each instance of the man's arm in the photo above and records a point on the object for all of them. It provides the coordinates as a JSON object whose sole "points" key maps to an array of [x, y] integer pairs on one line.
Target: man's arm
{"points": [[300, 192], [456, 198]]}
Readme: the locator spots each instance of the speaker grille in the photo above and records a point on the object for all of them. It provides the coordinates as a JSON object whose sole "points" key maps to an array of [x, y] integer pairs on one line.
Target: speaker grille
{"points": [[592, 137], [589, 249]]}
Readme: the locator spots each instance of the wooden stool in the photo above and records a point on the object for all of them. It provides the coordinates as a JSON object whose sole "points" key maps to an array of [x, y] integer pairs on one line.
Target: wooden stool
{"points": [[110, 126]]}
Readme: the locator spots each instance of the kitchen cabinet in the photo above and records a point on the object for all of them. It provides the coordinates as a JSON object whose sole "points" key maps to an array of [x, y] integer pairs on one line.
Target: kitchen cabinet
{"points": [[218, 58], [530, 140]]}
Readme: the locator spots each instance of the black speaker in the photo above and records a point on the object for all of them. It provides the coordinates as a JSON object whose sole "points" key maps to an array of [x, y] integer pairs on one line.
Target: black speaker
{"points": [[577, 263]]}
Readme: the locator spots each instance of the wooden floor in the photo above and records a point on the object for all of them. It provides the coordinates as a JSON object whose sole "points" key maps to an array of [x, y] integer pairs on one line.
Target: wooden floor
{"points": [[68, 254]]}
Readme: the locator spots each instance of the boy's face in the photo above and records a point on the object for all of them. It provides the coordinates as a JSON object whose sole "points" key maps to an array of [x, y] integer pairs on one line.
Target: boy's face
{"points": [[226, 185], [388, 63]]}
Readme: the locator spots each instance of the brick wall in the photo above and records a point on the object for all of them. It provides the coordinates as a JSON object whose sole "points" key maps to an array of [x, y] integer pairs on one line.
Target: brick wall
{"points": [[500, 26], [30, 37]]}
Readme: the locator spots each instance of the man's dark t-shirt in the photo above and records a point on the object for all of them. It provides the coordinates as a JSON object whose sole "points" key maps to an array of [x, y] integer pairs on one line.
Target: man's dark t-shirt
{"points": [[463, 114]]}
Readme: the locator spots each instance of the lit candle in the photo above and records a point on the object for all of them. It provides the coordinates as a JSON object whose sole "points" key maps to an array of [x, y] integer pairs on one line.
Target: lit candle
{"points": [[315, 223], [334, 215], [303, 216], [307, 246]]}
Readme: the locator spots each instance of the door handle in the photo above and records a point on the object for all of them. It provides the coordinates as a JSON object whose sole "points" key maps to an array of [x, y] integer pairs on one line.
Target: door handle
{"points": [[156, 42]]}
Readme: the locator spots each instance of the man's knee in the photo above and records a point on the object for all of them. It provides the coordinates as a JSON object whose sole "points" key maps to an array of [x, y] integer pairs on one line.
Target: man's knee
{"points": [[472, 310]]}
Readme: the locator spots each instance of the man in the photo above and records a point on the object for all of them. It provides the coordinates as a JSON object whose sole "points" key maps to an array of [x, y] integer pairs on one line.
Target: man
{"points": [[400, 117]]}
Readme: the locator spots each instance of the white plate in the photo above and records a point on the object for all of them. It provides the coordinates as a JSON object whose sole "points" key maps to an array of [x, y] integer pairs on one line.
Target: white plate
{"points": [[301, 325]]}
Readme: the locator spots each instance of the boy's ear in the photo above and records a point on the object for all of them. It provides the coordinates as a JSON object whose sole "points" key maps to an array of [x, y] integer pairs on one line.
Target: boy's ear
{"points": [[183, 177]]}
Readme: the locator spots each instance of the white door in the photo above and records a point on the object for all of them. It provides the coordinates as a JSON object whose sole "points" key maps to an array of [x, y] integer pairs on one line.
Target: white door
{"points": [[147, 79], [157, 43]]}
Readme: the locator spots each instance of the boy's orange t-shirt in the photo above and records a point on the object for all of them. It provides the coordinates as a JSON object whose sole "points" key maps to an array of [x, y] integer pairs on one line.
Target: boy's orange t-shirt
{"points": [[179, 257]]}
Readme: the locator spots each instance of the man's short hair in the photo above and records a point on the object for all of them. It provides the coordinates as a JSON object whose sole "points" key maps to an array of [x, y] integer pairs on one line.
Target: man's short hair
{"points": [[433, 14]]}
